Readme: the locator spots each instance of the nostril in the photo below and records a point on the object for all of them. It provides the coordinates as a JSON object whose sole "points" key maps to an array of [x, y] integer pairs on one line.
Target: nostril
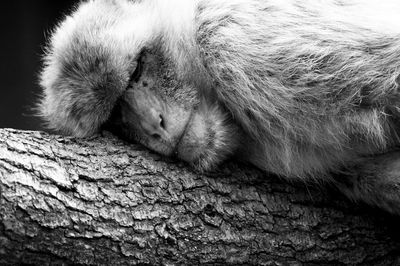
{"points": [[156, 136], [162, 122]]}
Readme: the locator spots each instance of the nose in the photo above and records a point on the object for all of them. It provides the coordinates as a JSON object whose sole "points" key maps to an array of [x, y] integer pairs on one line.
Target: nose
{"points": [[154, 124]]}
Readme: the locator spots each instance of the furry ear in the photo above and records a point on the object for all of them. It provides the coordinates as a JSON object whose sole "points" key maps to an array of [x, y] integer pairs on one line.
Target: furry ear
{"points": [[81, 84]]}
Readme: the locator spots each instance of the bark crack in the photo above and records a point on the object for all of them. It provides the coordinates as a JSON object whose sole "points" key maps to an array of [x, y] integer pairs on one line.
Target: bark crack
{"points": [[101, 201]]}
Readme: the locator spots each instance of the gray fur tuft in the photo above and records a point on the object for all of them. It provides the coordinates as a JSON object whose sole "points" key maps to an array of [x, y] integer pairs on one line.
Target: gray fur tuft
{"points": [[82, 78]]}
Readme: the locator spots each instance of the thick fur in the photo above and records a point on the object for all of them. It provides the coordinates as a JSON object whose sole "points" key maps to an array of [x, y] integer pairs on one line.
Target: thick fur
{"points": [[310, 80], [313, 84]]}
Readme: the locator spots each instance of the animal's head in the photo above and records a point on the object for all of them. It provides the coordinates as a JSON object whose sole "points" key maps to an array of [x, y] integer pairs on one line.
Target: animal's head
{"points": [[125, 64]]}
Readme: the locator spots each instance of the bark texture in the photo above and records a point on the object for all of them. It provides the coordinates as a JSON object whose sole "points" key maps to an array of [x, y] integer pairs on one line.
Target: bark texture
{"points": [[105, 202]]}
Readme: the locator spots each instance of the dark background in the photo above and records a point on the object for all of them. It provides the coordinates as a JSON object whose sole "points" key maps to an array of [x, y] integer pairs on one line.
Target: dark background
{"points": [[25, 25]]}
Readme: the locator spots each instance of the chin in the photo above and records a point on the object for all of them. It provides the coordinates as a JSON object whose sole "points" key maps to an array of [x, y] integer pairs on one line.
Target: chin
{"points": [[209, 139]]}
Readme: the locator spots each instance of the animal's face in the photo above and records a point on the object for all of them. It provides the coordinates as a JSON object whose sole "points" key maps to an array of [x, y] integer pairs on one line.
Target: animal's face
{"points": [[112, 63], [166, 114]]}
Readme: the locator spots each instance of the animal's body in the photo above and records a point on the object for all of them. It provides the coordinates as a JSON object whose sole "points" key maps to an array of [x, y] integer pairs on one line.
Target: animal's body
{"points": [[298, 88]]}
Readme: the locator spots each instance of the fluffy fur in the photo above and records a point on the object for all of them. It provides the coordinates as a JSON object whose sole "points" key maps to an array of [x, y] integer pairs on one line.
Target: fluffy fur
{"points": [[311, 85], [307, 79]]}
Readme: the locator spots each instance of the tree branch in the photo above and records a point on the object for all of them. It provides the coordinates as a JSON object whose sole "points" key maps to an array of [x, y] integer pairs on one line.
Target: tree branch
{"points": [[103, 201]]}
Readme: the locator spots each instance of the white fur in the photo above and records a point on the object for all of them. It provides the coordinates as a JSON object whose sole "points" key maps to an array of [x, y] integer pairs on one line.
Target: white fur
{"points": [[313, 84], [294, 74]]}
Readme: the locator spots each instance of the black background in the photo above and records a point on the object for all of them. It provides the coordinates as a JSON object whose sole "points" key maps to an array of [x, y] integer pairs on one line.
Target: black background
{"points": [[25, 24]]}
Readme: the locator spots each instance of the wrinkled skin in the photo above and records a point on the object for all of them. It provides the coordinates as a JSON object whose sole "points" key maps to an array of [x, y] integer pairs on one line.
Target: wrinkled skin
{"points": [[166, 115]]}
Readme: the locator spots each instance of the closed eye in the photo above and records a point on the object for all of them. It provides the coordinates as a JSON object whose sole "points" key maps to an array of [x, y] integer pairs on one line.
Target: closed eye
{"points": [[138, 71]]}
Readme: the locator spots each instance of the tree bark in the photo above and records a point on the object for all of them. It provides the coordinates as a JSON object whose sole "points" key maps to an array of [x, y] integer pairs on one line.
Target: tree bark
{"points": [[101, 201]]}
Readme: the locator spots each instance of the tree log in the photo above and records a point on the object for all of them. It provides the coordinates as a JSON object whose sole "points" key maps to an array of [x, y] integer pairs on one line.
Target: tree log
{"points": [[102, 201]]}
